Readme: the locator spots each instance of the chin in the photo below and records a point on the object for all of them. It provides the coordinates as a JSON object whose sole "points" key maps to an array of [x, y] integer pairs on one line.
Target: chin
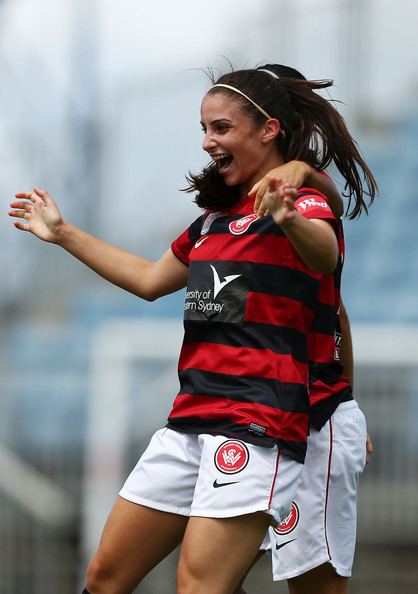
{"points": [[230, 181]]}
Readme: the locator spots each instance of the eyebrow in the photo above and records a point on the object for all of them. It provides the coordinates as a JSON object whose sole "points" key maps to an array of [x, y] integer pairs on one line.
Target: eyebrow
{"points": [[226, 120]]}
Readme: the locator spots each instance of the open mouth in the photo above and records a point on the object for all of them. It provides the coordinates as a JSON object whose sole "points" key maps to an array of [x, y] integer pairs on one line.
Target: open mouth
{"points": [[223, 162]]}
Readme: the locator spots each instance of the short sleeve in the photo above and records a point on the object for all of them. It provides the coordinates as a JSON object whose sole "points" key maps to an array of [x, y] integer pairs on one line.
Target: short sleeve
{"points": [[182, 246], [312, 204]]}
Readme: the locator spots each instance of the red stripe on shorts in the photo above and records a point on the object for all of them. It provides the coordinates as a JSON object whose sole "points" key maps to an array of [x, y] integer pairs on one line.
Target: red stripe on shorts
{"points": [[327, 490], [275, 476]]}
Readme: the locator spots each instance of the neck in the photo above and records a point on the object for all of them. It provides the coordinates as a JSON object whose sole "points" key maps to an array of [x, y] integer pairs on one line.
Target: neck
{"points": [[269, 164]]}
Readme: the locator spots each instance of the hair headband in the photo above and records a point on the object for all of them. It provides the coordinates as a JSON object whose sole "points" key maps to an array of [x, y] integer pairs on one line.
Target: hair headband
{"points": [[260, 109], [273, 74]]}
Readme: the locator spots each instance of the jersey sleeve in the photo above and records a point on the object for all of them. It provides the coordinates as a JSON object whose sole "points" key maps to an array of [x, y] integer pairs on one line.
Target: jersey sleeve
{"points": [[182, 246], [312, 204]]}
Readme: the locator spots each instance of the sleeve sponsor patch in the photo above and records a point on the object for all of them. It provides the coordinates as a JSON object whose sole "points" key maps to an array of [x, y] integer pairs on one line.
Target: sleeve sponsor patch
{"points": [[304, 204], [314, 206]]}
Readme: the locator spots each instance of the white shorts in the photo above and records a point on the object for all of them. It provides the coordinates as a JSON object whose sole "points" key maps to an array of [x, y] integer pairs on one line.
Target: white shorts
{"points": [[212, 476], [321, 526]]}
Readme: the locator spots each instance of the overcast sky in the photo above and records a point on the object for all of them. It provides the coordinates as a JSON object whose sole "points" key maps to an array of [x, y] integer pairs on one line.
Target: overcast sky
{"points": [[377, 49]]}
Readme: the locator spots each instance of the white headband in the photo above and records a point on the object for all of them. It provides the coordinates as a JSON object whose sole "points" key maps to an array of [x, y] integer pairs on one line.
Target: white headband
{"points": [[260, 109], [273, 74]]}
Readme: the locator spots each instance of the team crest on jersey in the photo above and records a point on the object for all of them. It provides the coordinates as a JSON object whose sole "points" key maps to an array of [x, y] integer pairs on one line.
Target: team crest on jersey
{"points": [[240, 226], [290, 522], [231, 457]]}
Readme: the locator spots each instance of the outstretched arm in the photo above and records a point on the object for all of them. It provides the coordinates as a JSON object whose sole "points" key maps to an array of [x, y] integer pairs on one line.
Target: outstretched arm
{"points": [[298, 174], [313, 239], [37, 213]]}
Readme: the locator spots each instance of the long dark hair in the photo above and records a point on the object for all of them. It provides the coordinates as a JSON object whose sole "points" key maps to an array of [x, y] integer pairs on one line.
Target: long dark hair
{"points": [[313, 131]]}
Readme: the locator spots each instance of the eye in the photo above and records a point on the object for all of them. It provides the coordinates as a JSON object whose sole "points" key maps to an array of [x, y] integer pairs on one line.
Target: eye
{"points": [[221, 128], [203, 128]]}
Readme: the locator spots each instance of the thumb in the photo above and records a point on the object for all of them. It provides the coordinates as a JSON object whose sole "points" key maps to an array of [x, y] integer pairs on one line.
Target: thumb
{"points": [[254, 189]]}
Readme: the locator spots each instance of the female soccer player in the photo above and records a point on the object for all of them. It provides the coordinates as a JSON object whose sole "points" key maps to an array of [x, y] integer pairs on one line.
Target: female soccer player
{"points": [[228, 462], [313, 548]]}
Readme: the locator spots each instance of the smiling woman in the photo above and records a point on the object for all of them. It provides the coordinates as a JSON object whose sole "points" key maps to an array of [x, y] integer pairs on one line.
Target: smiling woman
{"points": [[242, 152], [252, 295]]}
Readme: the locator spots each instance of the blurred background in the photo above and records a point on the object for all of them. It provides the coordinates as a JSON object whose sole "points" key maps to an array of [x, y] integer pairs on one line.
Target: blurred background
{"points": [[99, 104]]}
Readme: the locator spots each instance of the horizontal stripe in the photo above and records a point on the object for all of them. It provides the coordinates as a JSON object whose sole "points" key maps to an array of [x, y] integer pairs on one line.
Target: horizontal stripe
{"points": [[321, 348], [280, 340], [326, 291], [293, 449], [327, 401], [278, 423], [324, 319], [272, 393], [262, 226], [278, 311], [242, 361], [299, 285], [276, 251], [328, 373], [277, 280]]}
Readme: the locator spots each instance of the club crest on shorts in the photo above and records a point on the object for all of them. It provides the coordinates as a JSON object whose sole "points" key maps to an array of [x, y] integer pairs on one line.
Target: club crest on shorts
{"points": [[240, 226], [290, 522], [231, 457]]}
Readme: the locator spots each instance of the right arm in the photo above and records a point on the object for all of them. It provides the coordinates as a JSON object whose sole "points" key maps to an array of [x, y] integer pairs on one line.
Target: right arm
{"points": [[144, 278]]}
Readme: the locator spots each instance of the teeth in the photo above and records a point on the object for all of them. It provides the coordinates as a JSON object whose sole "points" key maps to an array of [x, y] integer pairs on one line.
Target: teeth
{"points": [[219, 157]]}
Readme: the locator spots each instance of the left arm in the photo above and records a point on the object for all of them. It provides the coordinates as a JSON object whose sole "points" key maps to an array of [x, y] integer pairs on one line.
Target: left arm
{"points": [[313, 239], [298, 174]]}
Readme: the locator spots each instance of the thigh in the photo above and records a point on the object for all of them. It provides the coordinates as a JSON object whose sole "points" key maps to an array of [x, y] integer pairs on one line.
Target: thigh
{"points": [[135, 539], [322, 579], [217, 552]]}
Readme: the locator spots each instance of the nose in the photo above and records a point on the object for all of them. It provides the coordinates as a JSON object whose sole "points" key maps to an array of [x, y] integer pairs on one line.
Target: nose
{"points": [[208, 142]]}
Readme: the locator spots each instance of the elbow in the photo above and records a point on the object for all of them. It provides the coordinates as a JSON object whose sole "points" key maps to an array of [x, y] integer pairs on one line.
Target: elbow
{"points": [[322, 269], [325, 265], [149, 296]]}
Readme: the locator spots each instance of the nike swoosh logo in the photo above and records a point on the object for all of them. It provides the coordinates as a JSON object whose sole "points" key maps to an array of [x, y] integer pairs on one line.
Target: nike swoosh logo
{"points": [[218, 285], [200, 241], [284, 544], [217, 485]]}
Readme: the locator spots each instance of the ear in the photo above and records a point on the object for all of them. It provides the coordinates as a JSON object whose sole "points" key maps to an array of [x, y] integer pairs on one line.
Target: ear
{"points": [[271, 129]]}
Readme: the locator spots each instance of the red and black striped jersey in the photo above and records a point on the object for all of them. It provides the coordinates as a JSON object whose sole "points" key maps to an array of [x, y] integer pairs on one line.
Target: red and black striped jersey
{"points": [[250, 302], [327, 384]]}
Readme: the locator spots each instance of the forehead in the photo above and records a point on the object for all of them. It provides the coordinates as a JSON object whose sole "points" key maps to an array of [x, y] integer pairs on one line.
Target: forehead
{"points": [[220, 105]]}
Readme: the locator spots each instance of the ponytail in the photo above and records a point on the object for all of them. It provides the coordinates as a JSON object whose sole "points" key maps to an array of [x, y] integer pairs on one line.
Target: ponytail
{"points": [[313, 131]]}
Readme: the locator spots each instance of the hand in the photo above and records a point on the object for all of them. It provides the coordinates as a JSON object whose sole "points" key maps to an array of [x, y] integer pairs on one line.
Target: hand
{"points": [[40, 212], [295, 172], [369, 448], [278, 200]]}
